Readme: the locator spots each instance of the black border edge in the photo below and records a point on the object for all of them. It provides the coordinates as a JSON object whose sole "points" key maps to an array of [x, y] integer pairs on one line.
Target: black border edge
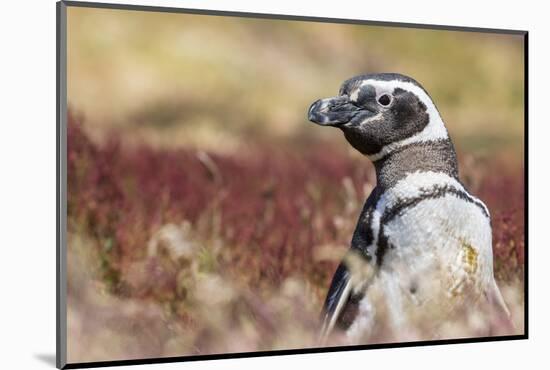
{"points": [[227, 13], [526, 180], [61, 112], [61, 184], [302, 351]]}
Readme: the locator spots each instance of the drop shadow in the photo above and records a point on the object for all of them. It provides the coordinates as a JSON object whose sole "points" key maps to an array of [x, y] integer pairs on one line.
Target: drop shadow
{"points": [[47, 358]]}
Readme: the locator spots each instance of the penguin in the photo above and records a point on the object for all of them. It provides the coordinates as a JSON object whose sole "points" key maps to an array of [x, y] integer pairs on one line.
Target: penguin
{"points": [[421, 252]]}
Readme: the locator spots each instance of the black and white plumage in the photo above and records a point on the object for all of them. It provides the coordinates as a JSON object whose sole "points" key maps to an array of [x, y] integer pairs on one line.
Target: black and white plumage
{"points": [[422, 241]]}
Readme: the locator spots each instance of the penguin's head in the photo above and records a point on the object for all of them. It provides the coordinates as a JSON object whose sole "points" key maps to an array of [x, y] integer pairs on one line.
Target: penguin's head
{"points": [[381, 112]]}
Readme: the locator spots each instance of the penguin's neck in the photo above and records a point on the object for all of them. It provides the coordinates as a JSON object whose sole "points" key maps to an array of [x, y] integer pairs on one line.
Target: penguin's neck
{"points": [[436, 156]]}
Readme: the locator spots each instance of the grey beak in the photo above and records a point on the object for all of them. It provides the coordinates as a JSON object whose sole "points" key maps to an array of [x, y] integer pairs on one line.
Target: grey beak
{"points": [[332, 111]]}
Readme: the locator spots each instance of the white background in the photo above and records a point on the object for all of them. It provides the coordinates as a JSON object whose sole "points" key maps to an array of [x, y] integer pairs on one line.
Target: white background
{"points": [[27, 193]]}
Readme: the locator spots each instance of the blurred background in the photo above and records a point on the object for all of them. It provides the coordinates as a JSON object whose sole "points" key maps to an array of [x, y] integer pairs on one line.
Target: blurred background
{"points": [[204, 207], [217, 82]]}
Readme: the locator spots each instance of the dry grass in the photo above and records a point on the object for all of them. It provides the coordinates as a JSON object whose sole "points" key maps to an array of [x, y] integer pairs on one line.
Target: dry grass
{"points": [[177, 252]]}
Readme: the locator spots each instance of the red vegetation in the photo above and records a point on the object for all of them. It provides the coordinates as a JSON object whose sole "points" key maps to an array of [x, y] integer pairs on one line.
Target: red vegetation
{"points": [[503, 192], [271, 208]]}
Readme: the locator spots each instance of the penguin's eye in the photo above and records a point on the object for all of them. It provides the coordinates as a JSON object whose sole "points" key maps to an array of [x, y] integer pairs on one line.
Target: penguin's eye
{"points": [[384, 100]]}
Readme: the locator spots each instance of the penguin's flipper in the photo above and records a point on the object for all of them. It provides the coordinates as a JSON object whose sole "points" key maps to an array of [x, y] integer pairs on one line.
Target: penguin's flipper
{"points": [[337, 298]]}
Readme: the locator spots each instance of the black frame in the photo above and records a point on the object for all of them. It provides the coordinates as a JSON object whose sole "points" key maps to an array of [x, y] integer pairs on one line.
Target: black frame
{"points": [[61, 187]]}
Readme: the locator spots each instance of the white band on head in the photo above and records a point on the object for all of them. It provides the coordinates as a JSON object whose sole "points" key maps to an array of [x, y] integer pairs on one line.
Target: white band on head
{"points": [[434, 130]]}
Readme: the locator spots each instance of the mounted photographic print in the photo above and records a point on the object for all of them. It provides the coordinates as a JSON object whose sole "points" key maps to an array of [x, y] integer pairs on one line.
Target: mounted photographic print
{"points": [[235, 184]]}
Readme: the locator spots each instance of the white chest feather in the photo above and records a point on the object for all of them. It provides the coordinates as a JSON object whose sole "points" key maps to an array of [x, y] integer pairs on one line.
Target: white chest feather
{"points": [[432, 241]]}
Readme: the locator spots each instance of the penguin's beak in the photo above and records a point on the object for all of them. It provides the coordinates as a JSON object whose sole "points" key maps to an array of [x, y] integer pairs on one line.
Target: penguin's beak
{"points": [[334, 111]]}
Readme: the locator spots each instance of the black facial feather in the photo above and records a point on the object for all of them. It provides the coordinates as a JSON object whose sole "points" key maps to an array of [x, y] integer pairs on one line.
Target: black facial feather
{"points": [[403, 118]]}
